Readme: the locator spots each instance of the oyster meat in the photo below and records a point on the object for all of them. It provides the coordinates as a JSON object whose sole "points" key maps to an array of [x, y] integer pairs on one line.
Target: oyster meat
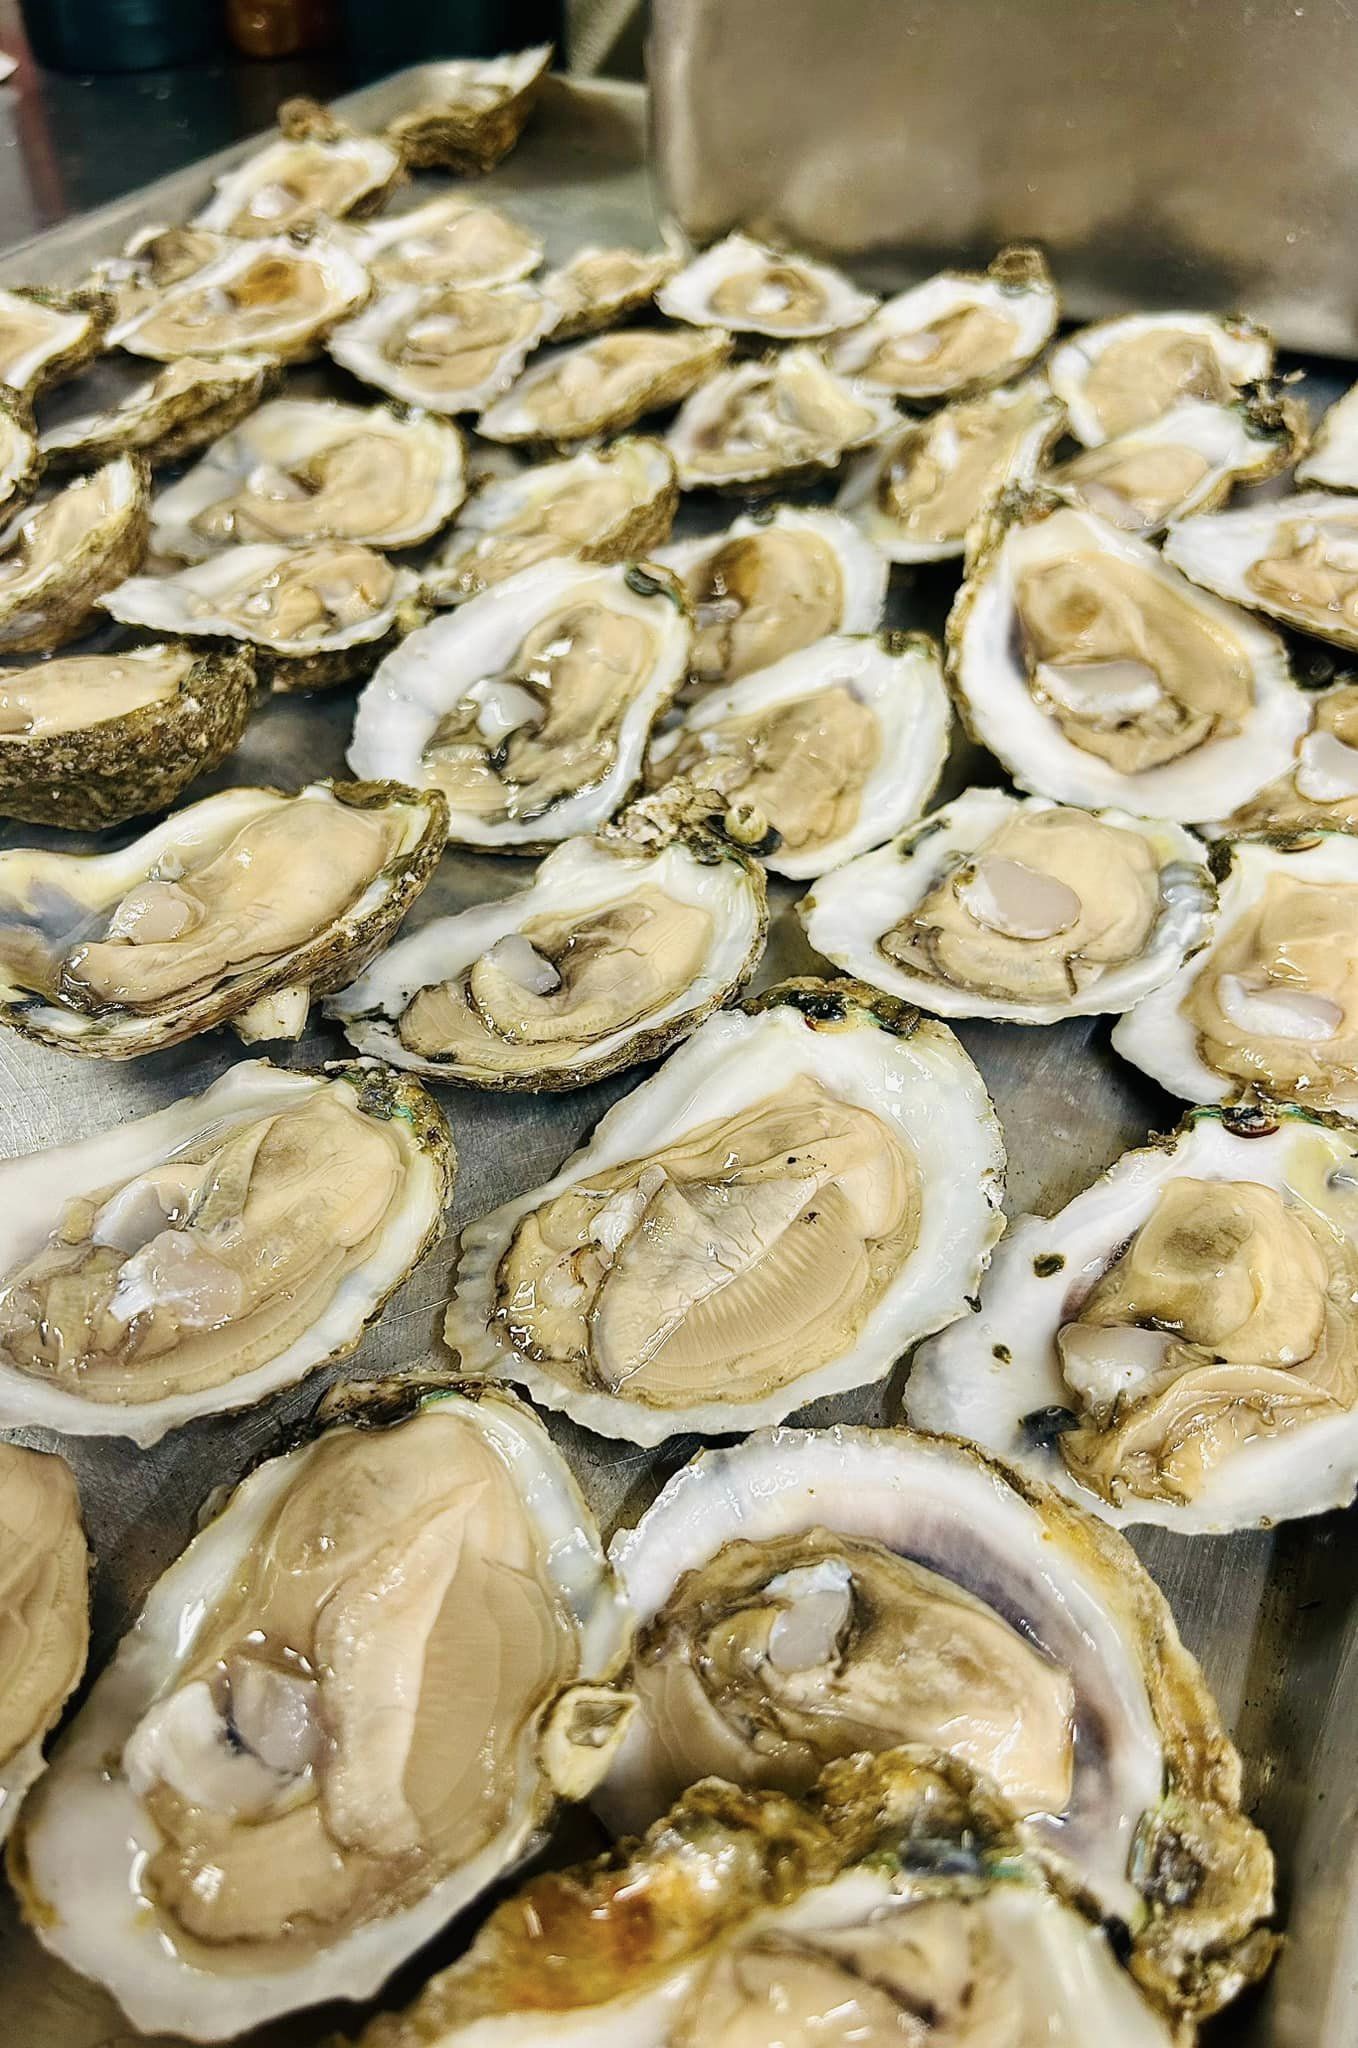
{"points": [[151, 259], [1016, 908], [238, 909], [44, 1611], [19, 458], [783, 419], [822, 755], [1295, 559], [203, 1258], [958, 333], [601, 285], [1189, 459], [676, 1274], [170, 415], [530, 706], [316, 170], [1319, 792], [276, 298], [452, 240], [452, 348], [46, 336], [1122, 374], [60, 556], [478, 112], [258, 1807], [749, 288], [604, 385], [1331, 461], [1100, 676], [1179, 1344]]}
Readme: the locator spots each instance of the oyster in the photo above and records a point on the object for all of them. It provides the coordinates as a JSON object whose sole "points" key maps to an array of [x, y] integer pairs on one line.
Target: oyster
{"points": [[773, 583], [315, 615], [452, 240], [1100, 676], [1331, 461], [304, 470], [1122, 374], [822, 755], [787, 418], [1295, 559], [478, 114], [809, 1594], [44, 1612], [170, 415], [958, 333], [1319, 791], [19, 459], [530, 706], [806, 1187], [749, 288], [258, 1807], [601, 506], [1013, 907], [277, 298], [59, 557], [203, 1258], [1190, 459], [601, 285], [46, 336], [317, 169], [620, 946], [1179, 1344], [601, 386], [94, 739], [917, 496], [450, 348], [1271, 1005], [153, 258], [238, 909]]}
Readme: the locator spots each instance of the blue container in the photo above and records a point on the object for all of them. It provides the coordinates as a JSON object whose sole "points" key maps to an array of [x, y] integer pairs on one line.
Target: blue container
{"points": [[121, 35]]}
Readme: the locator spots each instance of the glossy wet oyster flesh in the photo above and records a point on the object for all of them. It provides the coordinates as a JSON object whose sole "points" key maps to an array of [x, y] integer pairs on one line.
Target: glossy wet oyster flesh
{"points": [[44, 1611]]}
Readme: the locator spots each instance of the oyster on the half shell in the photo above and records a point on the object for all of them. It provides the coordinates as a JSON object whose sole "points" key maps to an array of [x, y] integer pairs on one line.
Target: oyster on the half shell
{"points": [[1121, 374], [958, 333], [604, 385], [275, 298], [452, 348], [1187, 460], [317, 169], [153, 258], [749, 288], [44, 1612], [170, 415], [1319, 791], [600, 285], [20, 461], [46, 336], [785, 418], [60, 556], [453, 239], [476, 112], [1295, 559]]}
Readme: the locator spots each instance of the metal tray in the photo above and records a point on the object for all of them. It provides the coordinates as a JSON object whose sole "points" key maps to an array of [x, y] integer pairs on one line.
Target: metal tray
{"points": [[1273, 1616]]}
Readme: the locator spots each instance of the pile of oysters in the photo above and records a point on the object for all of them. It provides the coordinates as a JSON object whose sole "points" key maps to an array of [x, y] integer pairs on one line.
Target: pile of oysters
{"points": [[895, 1737]]}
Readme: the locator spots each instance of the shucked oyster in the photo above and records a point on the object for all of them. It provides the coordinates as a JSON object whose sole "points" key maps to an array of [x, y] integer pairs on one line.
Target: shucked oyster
{"points": [[303, 470], [1100, 676], [316, 169], [751, 289], [958, 333], [1319, 791], [809, 1594], [151, 259], [1122, 374], [202, 1258], [44, 1611], [59, 557], [93, 739], [1188, 460], [1331, 462], [600, 285], [805, 1188], [620, 945], [237, 909], [1295, 559], [19, 460], [771, 585], [476, 112], [787, 418], [530, 706], [1013, 907], [450, 348], [893, 1908], [604, 385], [451, 240], [1179, 1344], [259, 1807], [46, 336], [171, 415], [1272, 1003], [822, 755], [604, 506], [277, 298]]}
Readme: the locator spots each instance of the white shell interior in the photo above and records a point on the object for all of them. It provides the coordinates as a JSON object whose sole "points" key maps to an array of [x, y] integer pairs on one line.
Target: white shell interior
{"points": [[863, 567], [345, 287], [187, 601], [1244, 353], [1218, 549], [1033, 307], [360, 345], [689, 295]]}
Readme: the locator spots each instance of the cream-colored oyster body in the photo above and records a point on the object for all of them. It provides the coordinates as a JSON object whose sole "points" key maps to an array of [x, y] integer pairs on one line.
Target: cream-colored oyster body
{"points": [[258, 1807], [956, 334], [449, 348], [316, 170], [672, 1276], [1120, 375], [276, 298], [1295, 559], [787, 417], [453, 239], [475, 110], [1318, 792], [750, 288], [600, 285], [151, 259], [59, 556], [44, 1612], [1016, 908], [604, 385], [1331, 461], [20, 460], [1187, 460], [206, 1256], [46, 336], [171, 415]]}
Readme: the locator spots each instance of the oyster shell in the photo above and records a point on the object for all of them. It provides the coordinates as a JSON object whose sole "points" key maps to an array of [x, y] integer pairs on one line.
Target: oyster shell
{"points": [[1122, 374], [60, 556], [1016, 908], [822, 755], [1271, 1005], [172, 414], [1190, 459], [94, 739], [1331, 461], [277, 298], [1178, 1345], [530, 706], [600, 285], [1319, 791], [1295, 559], [773, 583], [19, 459], [451, 240], [619, 947], [602, 506], [750, 288], [238, 909], [258, 1807], [305, 470], [450, 348], [317, 169], [46, 336], [672, 1277], [604, 385], [151, 259], [808, 1594], [44, 1588], [478, 114], [958, 333], [786, 418], [1099, 676], [918, 494]]}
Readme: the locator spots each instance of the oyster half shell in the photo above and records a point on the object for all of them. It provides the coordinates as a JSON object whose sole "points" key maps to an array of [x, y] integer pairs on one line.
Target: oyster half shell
{"points": [[61, 555], [258, 1807], [46, 1630], [1295, 559], [276, 298], [1331, 462], [317, 169], [476, 113], [599, 286], [239, 908], [601, 386], [453, 239], [958, 333], [452, 348], [1188, 460], [1319, 790], [749, 288], [20, 463], [46, 336], [672, 1277], [172, 414], [786, 418], [151, 259], [1122, 374]]}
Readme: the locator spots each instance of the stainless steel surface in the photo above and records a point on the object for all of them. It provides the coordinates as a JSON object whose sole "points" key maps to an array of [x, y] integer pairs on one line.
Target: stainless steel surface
{"points": [[1273, 1617], [1166, 151]]}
